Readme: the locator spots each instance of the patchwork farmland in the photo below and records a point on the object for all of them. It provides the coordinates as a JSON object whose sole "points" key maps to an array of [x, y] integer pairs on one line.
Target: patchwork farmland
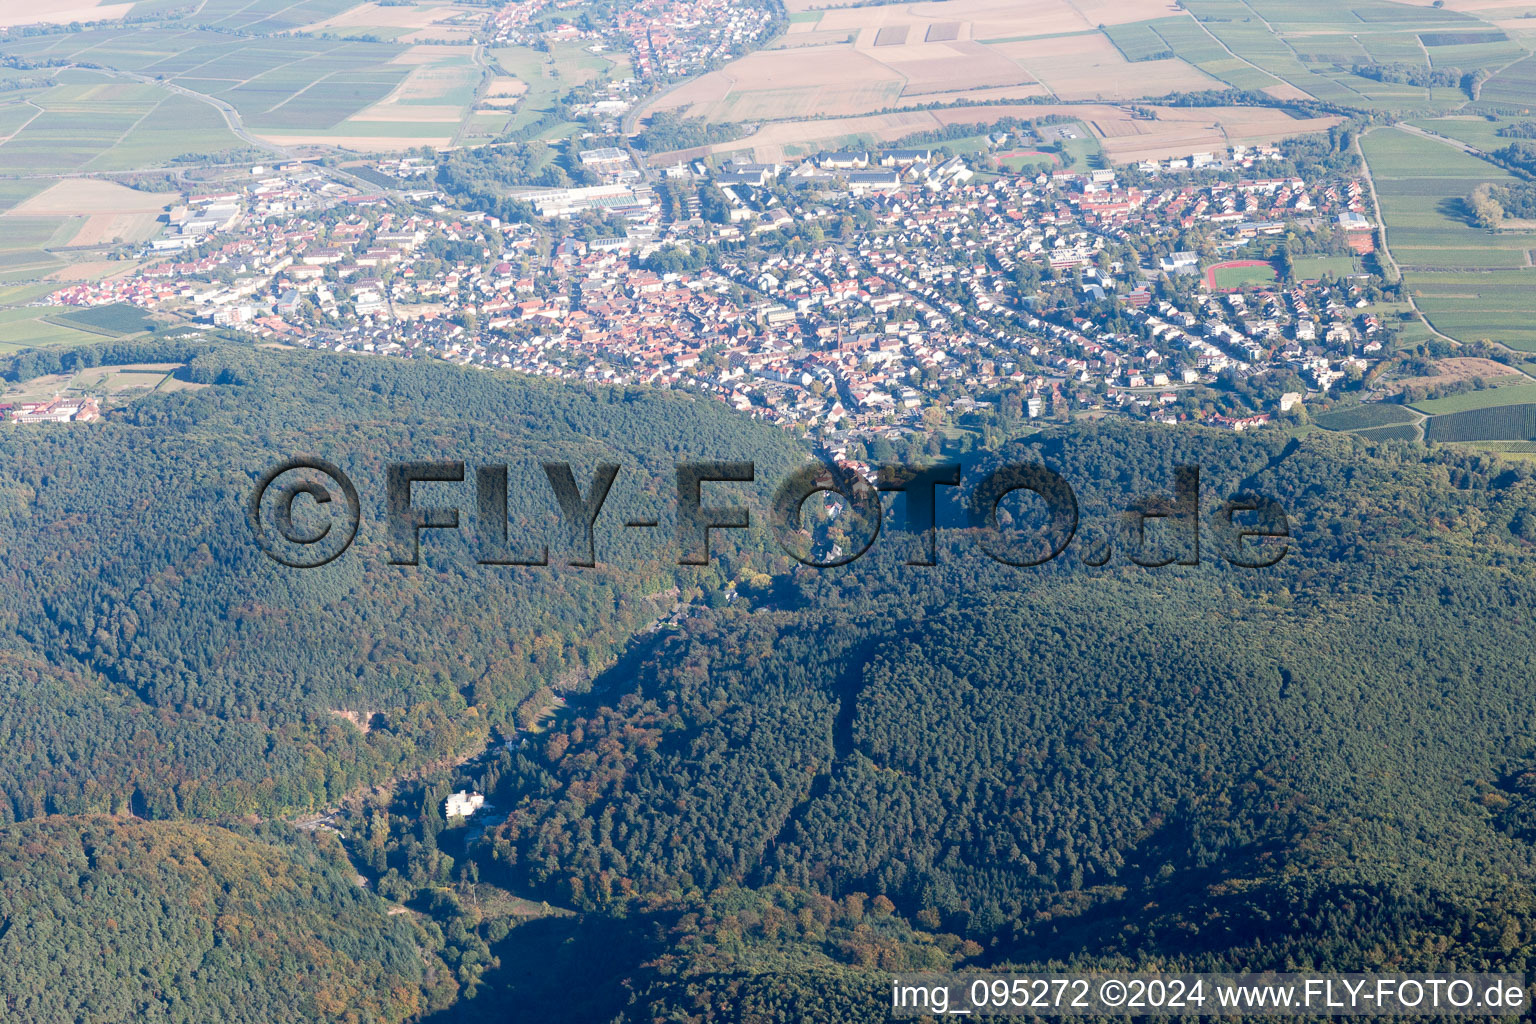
{"points": [[1470, 282], [316, 71], [92, 122], [887, 57], [846, 60], [1366, 417]]}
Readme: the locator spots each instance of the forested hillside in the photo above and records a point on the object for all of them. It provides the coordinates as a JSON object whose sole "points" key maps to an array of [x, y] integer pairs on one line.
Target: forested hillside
{"points": [[1322, 763], [761, 809], [154, 659], [102, 919]]}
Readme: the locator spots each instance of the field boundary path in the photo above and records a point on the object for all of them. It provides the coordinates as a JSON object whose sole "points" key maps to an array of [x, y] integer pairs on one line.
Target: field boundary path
{"points": [[1444, 140], [1386, 249], [1381, 225], [231, 116]]}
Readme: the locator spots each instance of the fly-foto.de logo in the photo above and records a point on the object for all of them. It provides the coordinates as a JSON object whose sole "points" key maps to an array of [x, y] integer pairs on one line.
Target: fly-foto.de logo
{"points": [[1252, 530]]}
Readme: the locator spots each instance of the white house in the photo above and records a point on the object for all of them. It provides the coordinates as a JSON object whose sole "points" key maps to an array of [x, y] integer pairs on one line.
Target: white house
{"points": [[462, 804]]}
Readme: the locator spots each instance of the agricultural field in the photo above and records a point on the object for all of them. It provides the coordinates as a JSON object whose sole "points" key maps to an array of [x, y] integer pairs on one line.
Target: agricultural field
{"points": [[403, 23], [93, 122], [1456, 369], [425, 107], [1477, 130], [1512, 89], [1484, 398], [1139, 40], [275, 84], [326, 72], [92, 212], [1290, 48], [56, 235], [1111, 130], [1373, 416], [114, 321], [1395, 432], [1476, 305], [860, 60], [28, 12], [24, 327], [1090, 67], [1497, 423], [1471, 283]]}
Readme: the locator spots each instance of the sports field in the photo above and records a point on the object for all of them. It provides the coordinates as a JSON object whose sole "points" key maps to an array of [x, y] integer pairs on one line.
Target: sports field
{"points": [[1311, 268], [1235, 274]]}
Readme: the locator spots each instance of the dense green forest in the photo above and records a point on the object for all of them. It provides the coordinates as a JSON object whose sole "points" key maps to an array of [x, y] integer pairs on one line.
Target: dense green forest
{"points": [[1325, 763], [188, 675], [802, 781], [180, 922]]}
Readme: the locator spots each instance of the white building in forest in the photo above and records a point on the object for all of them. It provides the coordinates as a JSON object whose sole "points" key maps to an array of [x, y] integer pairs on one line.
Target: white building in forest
{"points": [[462, 804]]}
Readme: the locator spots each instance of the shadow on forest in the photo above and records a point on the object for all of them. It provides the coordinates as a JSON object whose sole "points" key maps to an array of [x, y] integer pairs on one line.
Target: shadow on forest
{"points": [[562, 968]]}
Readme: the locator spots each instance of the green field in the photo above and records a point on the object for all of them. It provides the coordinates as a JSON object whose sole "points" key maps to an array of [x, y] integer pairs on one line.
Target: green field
{"points": [[113, 321], [1309, 268], [1513, 88], [1474, 130], [1500, 423], [277, 83], [1487, 398], [1194, 44], [1085, 149], [1471, 283], [91, 122], [1242, 277], [1140, 40], [1395, 432], [548, 76], [1515, 448], [1365, 417], [1315, 46], [26, 327]]}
